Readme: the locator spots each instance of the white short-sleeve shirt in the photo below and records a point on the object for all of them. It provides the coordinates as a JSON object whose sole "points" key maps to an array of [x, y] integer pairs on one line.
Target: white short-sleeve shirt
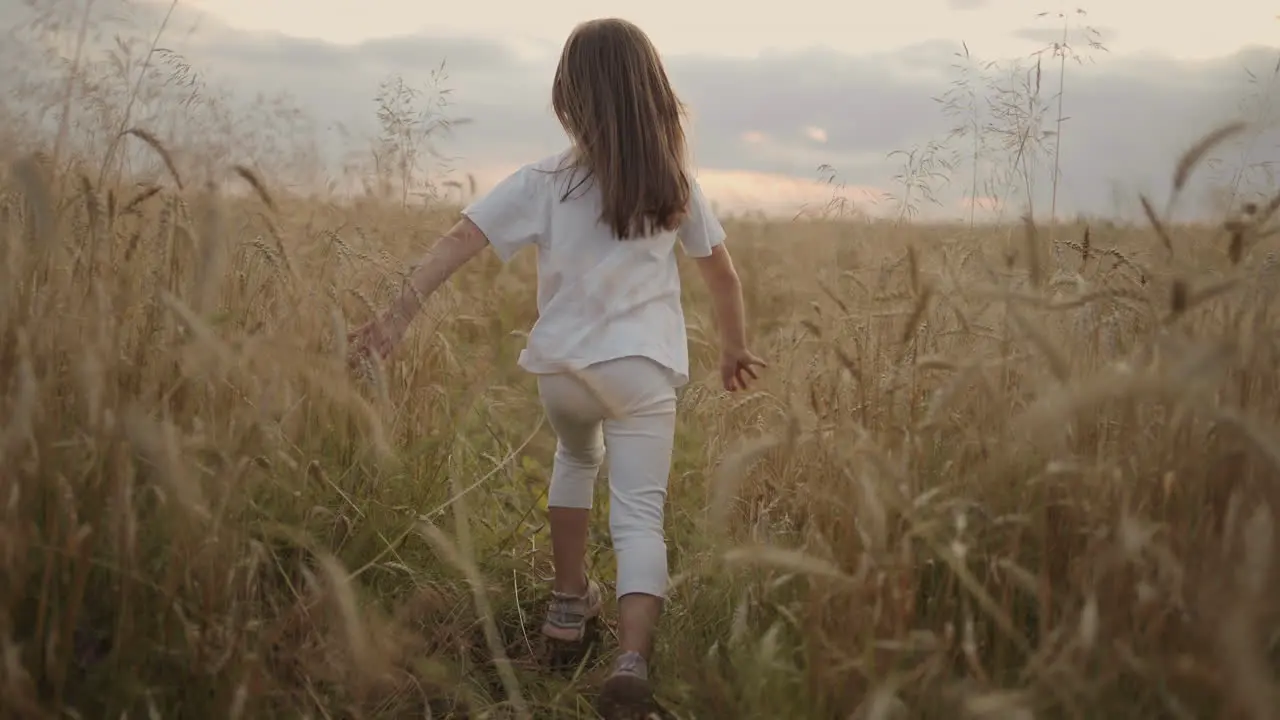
{"points": [[599, 298]]}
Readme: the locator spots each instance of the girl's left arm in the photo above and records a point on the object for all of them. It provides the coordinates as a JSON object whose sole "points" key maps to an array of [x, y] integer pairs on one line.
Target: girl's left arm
{"points": [[453, 250], [463, 242]]}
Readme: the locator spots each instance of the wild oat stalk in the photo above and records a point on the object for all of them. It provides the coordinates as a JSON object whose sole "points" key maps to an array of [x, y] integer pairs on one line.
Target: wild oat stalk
{"points": [[1067, 48]]}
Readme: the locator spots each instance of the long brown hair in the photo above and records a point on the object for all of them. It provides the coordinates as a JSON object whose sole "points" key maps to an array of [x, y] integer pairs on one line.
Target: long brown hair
{"points": [[613, 98]]}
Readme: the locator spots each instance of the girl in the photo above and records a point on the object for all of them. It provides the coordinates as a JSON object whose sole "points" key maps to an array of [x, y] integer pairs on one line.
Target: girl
{"points": [[609, 346]]}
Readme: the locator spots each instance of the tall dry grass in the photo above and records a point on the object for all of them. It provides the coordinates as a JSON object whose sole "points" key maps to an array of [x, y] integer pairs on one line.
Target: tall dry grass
{"points": [[975, 482], [990, 474]]}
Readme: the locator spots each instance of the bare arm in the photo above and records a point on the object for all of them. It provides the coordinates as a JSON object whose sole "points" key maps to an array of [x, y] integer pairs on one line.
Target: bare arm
{"points": [[737, 363], [726, 298], [463, 242]]}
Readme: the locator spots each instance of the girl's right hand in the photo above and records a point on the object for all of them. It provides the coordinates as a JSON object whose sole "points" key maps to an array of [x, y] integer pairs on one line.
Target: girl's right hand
{"points": [[738, 365]]}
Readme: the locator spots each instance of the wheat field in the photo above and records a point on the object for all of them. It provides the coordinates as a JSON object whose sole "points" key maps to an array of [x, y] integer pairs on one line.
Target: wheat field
{"points": [[1024, 470]]}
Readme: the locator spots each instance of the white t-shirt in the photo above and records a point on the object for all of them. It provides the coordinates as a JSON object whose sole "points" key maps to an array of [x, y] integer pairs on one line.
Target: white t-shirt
{"points": [[599, 298]]}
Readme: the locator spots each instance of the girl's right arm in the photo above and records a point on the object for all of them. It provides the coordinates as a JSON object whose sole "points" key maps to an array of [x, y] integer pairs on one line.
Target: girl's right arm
{"points": [[737, 363]]}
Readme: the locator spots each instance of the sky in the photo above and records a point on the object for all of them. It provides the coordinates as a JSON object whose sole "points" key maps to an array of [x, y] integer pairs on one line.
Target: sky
{"points": [[777, 90]]}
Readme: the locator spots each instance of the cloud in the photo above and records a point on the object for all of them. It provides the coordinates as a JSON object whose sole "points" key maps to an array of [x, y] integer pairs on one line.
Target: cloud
{"points": [[770, 121], [783, 195], [1078, 37]]}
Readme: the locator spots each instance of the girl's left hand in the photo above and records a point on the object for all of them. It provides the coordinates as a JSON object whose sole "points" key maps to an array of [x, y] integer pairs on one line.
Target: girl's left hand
{"points": [[376, 336]]}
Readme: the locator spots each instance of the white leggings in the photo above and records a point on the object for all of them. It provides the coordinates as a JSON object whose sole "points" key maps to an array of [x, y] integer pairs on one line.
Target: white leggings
{"points": [[629, 406]]}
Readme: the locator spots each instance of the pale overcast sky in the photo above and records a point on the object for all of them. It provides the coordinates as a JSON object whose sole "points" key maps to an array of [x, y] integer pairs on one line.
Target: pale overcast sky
{"points": [[777, 88], [729, 27]]}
